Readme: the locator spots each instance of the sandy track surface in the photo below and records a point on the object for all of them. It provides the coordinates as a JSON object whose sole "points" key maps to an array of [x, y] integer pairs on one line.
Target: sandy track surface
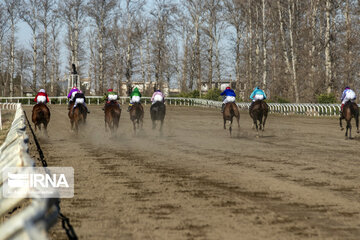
{"points": [[299, 181]]}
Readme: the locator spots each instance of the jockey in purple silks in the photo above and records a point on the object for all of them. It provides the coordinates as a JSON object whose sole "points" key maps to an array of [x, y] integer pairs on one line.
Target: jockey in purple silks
{"points": [[71, 95], [77, 96], [158, 96], [347, 95]]}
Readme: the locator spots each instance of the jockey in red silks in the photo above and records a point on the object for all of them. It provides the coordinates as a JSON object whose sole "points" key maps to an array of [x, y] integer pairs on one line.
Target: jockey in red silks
{"points": [[41, 97]]}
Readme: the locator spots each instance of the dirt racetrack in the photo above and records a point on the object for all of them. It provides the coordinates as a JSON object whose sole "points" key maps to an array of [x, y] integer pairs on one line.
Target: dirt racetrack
{"points": [[299, 181]]}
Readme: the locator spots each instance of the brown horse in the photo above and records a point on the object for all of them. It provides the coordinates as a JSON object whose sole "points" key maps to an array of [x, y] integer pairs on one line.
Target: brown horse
{"points": [[112, 112], [258, 112], [137, 115], [350, 110], [77, 116], [41, 115], [231, 110]]}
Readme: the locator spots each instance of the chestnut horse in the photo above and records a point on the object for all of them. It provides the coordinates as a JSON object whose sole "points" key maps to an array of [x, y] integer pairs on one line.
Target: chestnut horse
{"points": [[231, 110], [137, 115], [258, 112], [41, 115], [77, 116], [112, 112], [157, 112], [350, 110]]}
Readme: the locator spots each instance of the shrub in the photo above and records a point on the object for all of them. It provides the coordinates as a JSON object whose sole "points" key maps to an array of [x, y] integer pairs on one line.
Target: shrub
{"points": [[213, 94], [326, 98]]}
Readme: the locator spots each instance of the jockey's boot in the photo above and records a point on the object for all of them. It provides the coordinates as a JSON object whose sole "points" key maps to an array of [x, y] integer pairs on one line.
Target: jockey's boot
{"points": [[129, 108], [222, 107]]}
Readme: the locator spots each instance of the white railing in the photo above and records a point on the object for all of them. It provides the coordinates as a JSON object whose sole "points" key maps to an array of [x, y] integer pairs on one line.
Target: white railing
{"points": [[6, 106], [309, 109], [33, 220]]}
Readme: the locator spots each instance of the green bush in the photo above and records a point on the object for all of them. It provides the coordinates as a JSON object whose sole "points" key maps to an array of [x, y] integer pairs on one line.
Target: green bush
{"points": [[326, 98], [213, 94]]}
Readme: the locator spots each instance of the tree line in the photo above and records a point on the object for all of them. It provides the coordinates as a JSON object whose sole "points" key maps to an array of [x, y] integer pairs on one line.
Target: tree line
{"points": [[295, 50]]}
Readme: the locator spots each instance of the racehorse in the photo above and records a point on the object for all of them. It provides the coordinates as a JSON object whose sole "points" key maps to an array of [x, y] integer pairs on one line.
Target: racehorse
{"points": [[137, 115], [41, 115], [112, 112], [77, 116], [157, 112], [350, 110], [259, 112], [231, 110]]}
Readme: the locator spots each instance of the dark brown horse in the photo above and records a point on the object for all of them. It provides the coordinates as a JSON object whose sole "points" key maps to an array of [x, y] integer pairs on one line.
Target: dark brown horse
{"points": [[258, 112], [157, 112], [350, 110], [112, 112], [137, 115], [41, 115], [77, 116], [231, 110]]}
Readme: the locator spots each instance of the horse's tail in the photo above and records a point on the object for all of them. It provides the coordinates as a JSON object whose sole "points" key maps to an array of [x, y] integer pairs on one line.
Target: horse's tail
{"points": [[115, 113], [234, 111], [82, 111]]}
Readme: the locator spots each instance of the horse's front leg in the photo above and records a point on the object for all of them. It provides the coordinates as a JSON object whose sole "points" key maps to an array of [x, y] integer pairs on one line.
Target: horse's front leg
{"points": [[161, 125], [224, 123], [263, 128], [341, 126], [230, 128], [134, 126], [106, 129]]}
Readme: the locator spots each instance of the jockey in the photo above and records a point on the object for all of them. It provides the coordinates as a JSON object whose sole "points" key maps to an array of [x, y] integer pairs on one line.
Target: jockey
{"points": [[41, 97], [111, 96], [229, 96], [79, 98], [134, 98], [347, 95], [71, 95], [257, 94], [157, 96]]}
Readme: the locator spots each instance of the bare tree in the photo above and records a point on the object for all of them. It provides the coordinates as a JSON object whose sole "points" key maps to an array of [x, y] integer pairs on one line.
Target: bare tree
{"points": [[30, 14], [235, 17], [12, 7], [23, 57], [54, 42], [101, 14], [196, 9], [73, 13], [4, 27], [45, 17], [328, 61], [162, 18]]}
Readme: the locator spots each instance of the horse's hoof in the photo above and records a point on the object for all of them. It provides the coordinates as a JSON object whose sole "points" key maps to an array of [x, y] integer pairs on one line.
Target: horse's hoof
{"points": [[358, 131], [342, 129]]}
